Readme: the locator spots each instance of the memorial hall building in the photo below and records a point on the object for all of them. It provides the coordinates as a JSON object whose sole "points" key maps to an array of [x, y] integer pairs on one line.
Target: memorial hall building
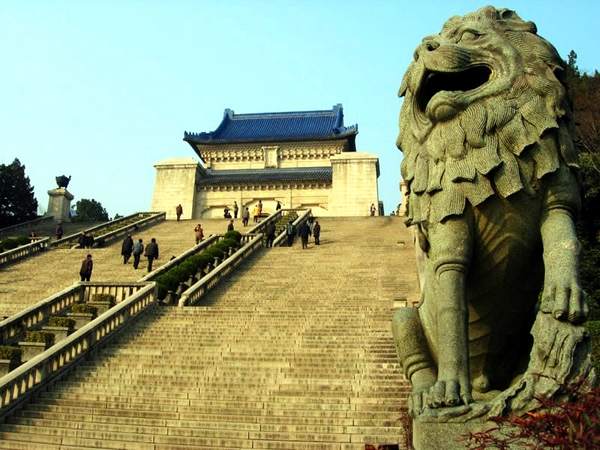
{"points": [[303, 159]]}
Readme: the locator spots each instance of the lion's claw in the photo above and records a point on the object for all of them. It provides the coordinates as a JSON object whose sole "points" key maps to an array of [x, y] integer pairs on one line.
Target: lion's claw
{"points": [[448, 393]]}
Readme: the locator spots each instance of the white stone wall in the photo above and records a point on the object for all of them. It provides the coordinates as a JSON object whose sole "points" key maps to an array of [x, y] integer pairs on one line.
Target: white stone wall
{"points": [[210, 202], [175, 183], [353, 187], [354, 184]]}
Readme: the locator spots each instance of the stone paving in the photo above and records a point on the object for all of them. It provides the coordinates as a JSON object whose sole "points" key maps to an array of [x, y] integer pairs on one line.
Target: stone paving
{"points": [[38, 277], [292, 351]]}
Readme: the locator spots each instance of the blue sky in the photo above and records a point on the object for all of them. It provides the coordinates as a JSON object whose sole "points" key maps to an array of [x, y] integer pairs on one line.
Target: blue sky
{"points": [[103, 90]]}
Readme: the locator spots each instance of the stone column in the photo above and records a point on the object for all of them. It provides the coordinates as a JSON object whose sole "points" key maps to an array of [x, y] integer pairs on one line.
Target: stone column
{"points": [[59, 204], [403, 198], [353, 184]]}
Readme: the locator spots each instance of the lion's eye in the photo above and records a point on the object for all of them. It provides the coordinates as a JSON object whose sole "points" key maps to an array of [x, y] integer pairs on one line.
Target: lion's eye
{"points": [[469, 36]]}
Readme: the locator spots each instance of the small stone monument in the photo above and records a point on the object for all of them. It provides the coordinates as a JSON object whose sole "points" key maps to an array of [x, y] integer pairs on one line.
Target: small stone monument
{"points": [[59, 202], [491, 182]]}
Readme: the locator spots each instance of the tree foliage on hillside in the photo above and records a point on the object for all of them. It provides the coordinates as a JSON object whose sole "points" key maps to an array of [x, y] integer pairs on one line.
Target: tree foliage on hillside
{"points": [[17, 201], [90, 211], [584, 91]]}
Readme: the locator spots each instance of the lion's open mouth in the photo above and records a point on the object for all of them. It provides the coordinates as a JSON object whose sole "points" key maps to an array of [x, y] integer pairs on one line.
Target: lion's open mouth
{"points": [[434, 82]]}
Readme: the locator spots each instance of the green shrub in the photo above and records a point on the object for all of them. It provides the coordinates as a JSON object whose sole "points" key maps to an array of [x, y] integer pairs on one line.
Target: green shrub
{"points": [[593, 327], [39, 336], [230, 243], [104, 298], [187, 268], [214, 252], [201, 260], [11, 353], [60, 321], [222, 247], [13, 242], [84, 308], [235, 235]]}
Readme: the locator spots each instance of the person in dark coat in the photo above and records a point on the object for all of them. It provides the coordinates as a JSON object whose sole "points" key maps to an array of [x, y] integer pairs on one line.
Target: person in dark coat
{"points": [[179, 211], [304, 233], [230, 226], [278, 207], [59, 231], [127, 248], [138, 249], [245, 216], [87, 265], [317, 232], [289, 232], [270, 232], [235, 210], [151, 253]]}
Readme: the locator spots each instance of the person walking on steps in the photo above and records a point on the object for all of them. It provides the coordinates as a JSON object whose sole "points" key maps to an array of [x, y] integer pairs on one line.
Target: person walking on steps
{"points": [[151, 253], [230, 226], [245, 216], [87, 265], [138, 249], [270, 232], [304, 233], [59, 231], [127, 248], [179, 211], [199, 233], [372, 210], [317, 233], [289, 233], [235, 210], [278, 207]]}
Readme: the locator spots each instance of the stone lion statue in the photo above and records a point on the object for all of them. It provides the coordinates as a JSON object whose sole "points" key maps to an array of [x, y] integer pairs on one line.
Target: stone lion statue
{"points": [[491, 168]]}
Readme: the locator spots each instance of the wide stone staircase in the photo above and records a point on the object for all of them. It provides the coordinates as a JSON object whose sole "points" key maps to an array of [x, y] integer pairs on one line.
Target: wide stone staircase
{"points": [[292, 351], [33, 279]]}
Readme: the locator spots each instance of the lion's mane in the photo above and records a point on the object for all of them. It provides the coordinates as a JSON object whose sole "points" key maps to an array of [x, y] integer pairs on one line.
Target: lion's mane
{"points": [[500, 144]]}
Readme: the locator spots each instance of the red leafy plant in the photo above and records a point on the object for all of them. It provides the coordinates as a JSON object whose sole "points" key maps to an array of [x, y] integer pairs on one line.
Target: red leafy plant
{"points": [[573, 424]]}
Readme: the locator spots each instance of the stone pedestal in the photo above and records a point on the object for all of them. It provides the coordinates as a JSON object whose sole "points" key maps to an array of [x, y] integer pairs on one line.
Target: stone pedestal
{"points": [[176, 184], [440, 435], [354, 184], [403, 198], [59, 204]]}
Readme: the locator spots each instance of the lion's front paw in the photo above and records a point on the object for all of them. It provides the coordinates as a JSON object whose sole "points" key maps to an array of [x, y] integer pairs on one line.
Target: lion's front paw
{"points": [[564, 298], [449, 393]]}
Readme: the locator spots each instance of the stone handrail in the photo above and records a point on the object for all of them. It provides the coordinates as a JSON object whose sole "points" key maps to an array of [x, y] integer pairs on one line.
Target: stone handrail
{"points": [[280, 240], [23, 251], [20, 384], [134, 226], [74, 238], [29, 223], [192, 251], [261, 226], [196, 291], [34, 315]]}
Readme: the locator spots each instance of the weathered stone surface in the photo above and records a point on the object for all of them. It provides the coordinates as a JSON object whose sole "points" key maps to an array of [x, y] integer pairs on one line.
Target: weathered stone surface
{"points": [[293, 350], [492, 194]]}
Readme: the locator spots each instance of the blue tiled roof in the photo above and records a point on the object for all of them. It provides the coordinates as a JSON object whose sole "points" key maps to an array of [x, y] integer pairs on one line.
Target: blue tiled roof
{"points": [[248, 176], [272, 127]]}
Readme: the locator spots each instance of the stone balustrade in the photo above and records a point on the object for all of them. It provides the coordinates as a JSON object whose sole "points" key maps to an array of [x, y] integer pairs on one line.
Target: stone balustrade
{"points": [[4, 231], [212, 239], [131, 227], [32, 317], [146, 219], [262, 226], [194, 293], [280, 239], [20, 384], [24, 251]]}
